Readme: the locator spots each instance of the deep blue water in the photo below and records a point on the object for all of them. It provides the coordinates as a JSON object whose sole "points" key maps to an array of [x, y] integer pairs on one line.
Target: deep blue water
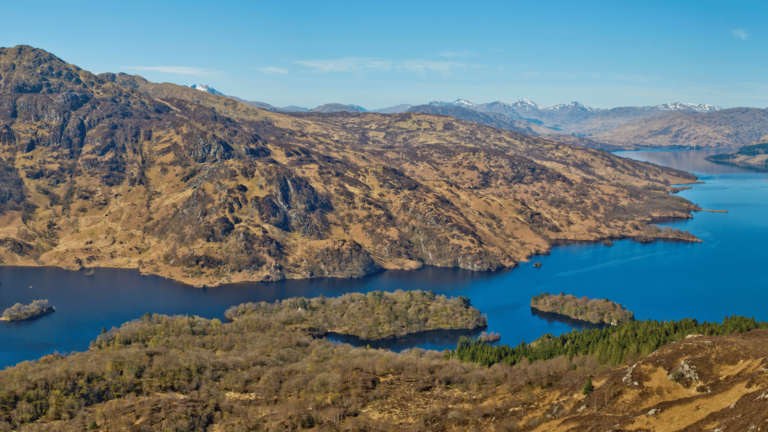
{"points": [[723, 276]]}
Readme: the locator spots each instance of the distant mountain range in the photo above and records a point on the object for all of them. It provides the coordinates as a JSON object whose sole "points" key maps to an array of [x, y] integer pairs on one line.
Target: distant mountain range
{"points": [[575, 117], [676, 124]]}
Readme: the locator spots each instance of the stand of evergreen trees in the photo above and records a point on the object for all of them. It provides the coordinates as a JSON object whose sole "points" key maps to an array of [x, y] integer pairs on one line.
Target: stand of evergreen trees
{"points": [[613, 345]]}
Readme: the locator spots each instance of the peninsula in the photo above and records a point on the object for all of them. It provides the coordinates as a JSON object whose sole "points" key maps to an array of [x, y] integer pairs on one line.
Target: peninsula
{"points": [[20, 312], [754, 155], [592, 310], [373, 316]]}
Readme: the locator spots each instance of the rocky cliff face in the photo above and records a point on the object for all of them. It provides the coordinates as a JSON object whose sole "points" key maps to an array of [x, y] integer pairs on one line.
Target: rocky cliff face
{"points": [[113, 170]]}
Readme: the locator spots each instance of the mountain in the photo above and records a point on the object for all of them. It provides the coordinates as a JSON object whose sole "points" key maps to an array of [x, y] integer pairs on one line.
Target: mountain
{"points": [[394, 109], [335, 107], [729, 128], [205, 88], [116, 171], [484, 118]]}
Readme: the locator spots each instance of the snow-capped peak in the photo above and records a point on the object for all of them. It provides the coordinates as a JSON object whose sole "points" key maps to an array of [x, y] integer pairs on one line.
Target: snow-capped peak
{"points": [[574, 104], [524, 102], [682, 106], [205, 88], [464, 103]]}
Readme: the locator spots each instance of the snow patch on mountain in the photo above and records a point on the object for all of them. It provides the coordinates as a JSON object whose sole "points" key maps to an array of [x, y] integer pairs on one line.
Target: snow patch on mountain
{"points": [[523, 103], [207, 89], [572, 105], [682, 106]]}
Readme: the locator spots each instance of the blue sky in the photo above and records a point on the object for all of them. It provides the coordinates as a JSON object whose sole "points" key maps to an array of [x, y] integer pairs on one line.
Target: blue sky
{"points": [[378, 54]]}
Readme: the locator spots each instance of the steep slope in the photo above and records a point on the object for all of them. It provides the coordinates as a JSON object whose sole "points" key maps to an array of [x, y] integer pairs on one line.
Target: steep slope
{"points": [[116, 171], [729, 128], [484, 118]]}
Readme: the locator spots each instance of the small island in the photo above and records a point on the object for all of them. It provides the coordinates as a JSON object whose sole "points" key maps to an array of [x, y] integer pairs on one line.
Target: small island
{"points": [[373, 316], [596, 311], [20, 312]]}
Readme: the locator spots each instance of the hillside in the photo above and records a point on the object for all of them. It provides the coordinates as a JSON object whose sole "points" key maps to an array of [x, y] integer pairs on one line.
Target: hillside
{"points": [[730, 128], [116, 171]]}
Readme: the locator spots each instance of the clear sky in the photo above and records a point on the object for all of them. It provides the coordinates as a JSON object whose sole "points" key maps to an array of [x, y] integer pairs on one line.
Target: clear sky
{"points": [[383, 53]]}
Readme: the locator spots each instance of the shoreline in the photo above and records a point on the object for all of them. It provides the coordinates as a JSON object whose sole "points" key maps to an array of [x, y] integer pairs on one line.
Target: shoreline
{"points": [[552, 244], [570, 318]]}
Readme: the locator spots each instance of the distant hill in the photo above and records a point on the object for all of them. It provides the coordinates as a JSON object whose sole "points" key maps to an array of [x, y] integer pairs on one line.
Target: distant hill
{"points": [[336, 107], [394, 109], [484, 118], [728, 128], [293, 108], [256, 104]]}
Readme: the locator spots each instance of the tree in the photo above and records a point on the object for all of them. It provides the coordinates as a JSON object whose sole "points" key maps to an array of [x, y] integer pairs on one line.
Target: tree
{"points": [[588, 388]]}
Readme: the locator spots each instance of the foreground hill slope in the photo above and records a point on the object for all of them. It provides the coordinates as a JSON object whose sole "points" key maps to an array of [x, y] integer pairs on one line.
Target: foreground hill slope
{"points": [[116, 171], [268, 372], [728, 128]]}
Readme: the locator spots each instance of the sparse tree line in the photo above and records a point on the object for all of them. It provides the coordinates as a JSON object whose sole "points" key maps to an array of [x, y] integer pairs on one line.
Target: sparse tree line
{"points": [[611, 345]]}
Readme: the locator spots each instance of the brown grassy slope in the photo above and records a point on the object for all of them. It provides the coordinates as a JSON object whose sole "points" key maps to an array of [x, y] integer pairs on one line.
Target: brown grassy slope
{"points": [[696, 384], [722, 129], [115, 171]]}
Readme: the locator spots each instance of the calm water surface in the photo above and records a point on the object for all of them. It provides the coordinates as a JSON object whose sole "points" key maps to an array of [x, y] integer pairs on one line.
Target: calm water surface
{"points": [[723, 276]]}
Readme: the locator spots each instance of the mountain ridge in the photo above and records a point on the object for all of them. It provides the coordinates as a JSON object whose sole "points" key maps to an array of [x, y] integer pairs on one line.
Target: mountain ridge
{"points": [[114, 170]]}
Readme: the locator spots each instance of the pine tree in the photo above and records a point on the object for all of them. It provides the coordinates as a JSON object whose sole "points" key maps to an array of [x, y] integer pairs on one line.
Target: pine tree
{"points": [[588, 388]]}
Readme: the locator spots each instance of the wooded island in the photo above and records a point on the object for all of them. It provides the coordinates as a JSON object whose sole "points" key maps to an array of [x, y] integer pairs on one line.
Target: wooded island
{"points": [[585, 309], [372, 316], [20, 312]]}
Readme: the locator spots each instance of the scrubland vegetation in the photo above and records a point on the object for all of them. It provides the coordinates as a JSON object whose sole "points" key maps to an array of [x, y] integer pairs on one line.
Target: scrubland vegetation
{"points": [[192, 374], [266, 371], [20, 312], [611, 345], [372, 316], [585, 309]]}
